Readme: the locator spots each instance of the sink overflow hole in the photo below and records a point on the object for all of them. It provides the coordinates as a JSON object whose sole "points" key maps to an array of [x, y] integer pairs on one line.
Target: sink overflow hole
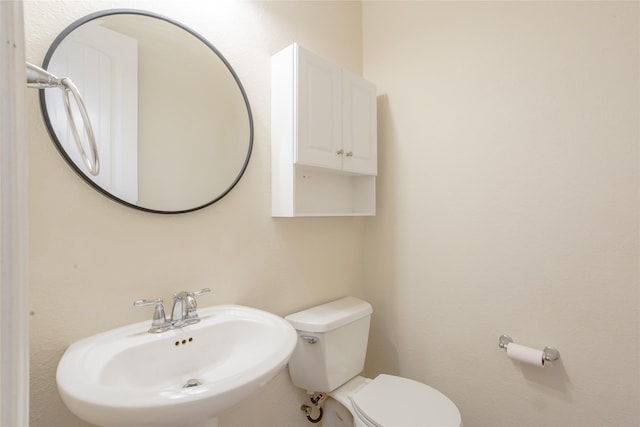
{"points": [[193, 382], [177, 343]]}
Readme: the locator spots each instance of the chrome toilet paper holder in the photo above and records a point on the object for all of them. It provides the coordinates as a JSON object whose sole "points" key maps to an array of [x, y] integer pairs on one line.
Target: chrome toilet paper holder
{"points": [[548, 353]]}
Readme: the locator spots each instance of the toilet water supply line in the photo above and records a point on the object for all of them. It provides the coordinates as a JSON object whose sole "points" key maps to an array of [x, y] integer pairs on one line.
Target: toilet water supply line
{"points": [[317, 399], [39, 78]]}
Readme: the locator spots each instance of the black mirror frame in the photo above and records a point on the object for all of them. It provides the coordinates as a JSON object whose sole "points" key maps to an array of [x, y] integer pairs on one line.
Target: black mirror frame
{"points": [[52, 134]]}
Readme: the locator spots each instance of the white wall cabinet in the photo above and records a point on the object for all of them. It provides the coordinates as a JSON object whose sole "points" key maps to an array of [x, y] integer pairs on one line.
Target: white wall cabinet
{"points": [[323, 137]]}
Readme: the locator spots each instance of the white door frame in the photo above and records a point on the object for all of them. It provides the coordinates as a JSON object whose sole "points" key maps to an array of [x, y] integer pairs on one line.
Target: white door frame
{"points": [[14, 304]]}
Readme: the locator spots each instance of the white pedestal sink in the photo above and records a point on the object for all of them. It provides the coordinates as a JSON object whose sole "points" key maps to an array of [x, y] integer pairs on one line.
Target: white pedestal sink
{"points": [[128, 377]]}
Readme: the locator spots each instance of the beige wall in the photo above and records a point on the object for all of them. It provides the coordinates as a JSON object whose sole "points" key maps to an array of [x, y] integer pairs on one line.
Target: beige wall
{"points": [[90, 257], [508, 203]]}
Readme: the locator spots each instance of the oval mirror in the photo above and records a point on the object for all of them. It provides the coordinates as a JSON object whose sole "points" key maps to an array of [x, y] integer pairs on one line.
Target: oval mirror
{"points": [[171, 119]]}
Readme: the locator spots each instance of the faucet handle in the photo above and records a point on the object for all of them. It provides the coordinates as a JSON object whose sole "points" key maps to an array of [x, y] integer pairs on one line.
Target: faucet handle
{"points": [[201, 292], [147, 301], [159, 322], [192, 305]]}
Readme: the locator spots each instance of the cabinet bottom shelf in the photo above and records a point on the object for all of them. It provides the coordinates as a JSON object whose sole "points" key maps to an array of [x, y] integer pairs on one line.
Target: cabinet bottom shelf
{"points": [[322, 192]]}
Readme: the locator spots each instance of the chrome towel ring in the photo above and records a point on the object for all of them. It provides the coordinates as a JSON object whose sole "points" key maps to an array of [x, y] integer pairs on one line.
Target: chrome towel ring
{"points": [[39, 78]]}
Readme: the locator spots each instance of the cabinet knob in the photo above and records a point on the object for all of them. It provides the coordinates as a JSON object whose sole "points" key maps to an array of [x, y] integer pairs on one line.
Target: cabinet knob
{"points": [[340, 152], [349, 153]]}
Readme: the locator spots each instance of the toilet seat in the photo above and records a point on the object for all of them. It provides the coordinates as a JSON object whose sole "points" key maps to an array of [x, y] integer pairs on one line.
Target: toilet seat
{"points": [[390, 401]]}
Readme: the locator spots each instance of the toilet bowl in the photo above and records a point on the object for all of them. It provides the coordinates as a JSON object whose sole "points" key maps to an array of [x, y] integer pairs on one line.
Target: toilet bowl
{"points": [[336, 414], [329, 356]]}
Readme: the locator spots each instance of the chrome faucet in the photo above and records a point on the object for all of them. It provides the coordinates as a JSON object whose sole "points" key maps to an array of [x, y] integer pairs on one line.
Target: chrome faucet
{"points": [[179, 311], [183, 313]]}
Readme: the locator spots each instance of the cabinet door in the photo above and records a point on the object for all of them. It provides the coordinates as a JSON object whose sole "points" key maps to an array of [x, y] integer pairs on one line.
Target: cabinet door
{"points": [[359, 134], [319, 112]]}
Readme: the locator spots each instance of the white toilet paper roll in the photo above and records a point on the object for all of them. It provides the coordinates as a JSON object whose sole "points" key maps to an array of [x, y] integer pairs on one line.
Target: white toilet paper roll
{"points": [[525, 354]]}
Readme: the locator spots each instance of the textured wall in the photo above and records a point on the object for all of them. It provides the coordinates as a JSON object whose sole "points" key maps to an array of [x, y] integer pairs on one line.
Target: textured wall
{"points": [[508, 203], [90, 257]]}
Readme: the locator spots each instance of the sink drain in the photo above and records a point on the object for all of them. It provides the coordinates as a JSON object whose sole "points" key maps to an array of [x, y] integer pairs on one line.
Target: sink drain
{"points": [[193, 382]]}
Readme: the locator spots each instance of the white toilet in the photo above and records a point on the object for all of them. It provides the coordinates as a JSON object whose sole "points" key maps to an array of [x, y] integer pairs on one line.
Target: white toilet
{"points": [[329, 356]]}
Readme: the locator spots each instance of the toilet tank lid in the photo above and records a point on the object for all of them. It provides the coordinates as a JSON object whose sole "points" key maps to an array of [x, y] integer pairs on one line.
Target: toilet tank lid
{"points": [[329, 316]]}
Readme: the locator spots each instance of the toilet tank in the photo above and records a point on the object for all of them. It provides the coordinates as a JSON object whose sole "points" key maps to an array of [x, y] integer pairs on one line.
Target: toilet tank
{"points": [[332, 344]]}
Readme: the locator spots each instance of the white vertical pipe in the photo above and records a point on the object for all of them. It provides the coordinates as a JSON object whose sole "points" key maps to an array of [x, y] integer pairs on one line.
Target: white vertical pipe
{"points": [[14, 331]]}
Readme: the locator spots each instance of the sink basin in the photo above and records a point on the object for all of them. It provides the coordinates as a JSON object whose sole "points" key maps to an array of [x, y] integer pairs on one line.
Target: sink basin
{"points": [[181, 377]]}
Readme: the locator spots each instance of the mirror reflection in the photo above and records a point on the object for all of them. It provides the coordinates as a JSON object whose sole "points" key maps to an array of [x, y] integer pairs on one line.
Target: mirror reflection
{"points": [[171, 119]]}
